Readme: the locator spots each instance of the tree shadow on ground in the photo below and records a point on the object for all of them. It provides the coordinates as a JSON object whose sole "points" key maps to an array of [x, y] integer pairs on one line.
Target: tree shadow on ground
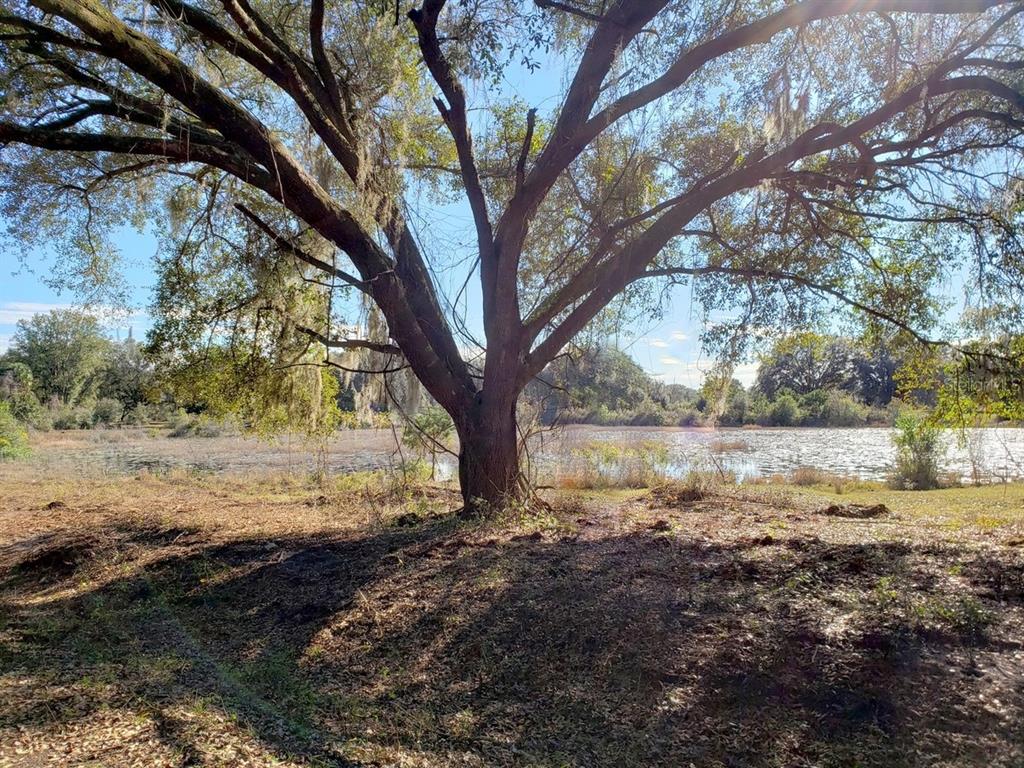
{"points": [[448, 645]]}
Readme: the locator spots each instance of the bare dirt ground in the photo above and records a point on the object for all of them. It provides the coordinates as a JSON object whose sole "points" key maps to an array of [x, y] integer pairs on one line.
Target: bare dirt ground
{"points": [[180, 620]]}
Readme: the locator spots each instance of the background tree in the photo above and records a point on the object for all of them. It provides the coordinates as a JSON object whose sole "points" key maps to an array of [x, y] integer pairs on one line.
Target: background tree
{"points": [[722, 398], [17, 390], [64, 350], [789, 157], [806, 361], [127, 376], [875, 374], [596, 380]]}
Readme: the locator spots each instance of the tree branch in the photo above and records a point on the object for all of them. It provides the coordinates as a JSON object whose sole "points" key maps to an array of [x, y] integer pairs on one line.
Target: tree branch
{"points": [[290, 248], [571, 136], [781, 276], [455, 118], [373, 346], [566, 8]]}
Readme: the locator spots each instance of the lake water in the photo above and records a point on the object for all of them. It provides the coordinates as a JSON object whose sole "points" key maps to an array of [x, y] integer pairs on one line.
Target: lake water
{"points": [[864, 453]]}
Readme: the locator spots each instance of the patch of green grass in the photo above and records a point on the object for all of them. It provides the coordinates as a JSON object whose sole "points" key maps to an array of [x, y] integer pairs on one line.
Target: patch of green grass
{"points": [[986, 506], [494, 577], [276, 677], [991, 522], [960, 614]]}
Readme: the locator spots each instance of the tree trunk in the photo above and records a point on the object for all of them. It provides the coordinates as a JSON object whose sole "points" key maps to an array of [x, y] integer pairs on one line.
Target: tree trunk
{"points": [[489, 473]]}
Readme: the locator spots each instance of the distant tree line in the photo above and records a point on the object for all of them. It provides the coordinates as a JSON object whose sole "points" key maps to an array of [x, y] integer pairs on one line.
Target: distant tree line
{"points": [[804, 379], [62, 371]]}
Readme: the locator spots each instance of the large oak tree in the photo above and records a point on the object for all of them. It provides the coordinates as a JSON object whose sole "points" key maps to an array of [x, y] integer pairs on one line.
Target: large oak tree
{"points": [[789, 156]]}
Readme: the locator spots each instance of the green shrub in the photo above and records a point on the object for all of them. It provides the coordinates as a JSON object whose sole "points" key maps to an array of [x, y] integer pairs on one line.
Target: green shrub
{"points": [[16, 389], [812, 406], [72, 418], [137, 416], [919, 449], [107, 412], [688, 417], [25, 407], [191, 425], [648, 414], [842, 410], [784, 412], [13, 436], [43, 422]]}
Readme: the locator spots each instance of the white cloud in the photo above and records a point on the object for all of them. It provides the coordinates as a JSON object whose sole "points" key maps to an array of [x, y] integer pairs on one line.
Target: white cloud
{"points": [[746, 373], [679, 336], [691, 377], [692, 373], [12, 312], [5, 343], [658, 343]]}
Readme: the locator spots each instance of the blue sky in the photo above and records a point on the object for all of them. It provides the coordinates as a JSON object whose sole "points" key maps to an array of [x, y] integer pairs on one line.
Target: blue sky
{"points": [[24, 290]]}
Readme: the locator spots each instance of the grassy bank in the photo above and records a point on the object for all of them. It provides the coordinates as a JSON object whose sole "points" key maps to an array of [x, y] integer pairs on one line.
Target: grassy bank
{"points": [[179, 620]]}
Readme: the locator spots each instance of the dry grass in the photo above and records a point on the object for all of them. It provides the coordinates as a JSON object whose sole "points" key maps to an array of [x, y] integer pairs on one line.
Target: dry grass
{"points": [[252, 622], [601, 466], [812, 477]]}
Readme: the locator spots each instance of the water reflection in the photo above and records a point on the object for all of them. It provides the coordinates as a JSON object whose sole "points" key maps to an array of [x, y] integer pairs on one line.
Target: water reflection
{"points": [[864, 453], [868, 453]]}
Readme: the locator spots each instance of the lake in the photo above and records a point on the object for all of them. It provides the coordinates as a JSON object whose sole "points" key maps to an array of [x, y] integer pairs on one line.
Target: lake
{"points": [[866, 453]]}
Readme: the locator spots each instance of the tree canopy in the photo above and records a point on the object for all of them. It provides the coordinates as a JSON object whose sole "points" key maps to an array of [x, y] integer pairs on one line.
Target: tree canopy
{"points": [[805, 361], [64, 352], [788, 158]]}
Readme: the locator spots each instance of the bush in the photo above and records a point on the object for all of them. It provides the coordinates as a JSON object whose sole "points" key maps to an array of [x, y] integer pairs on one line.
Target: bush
{"points": [[16, 390], [25, 407], [842, 410], [919, 449], [43, 422], [106, 412], [688, 417], [812, 406], [72, 418], [13, 436], [140, 414], [648, 415], [784, 412], [190, 425]]}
